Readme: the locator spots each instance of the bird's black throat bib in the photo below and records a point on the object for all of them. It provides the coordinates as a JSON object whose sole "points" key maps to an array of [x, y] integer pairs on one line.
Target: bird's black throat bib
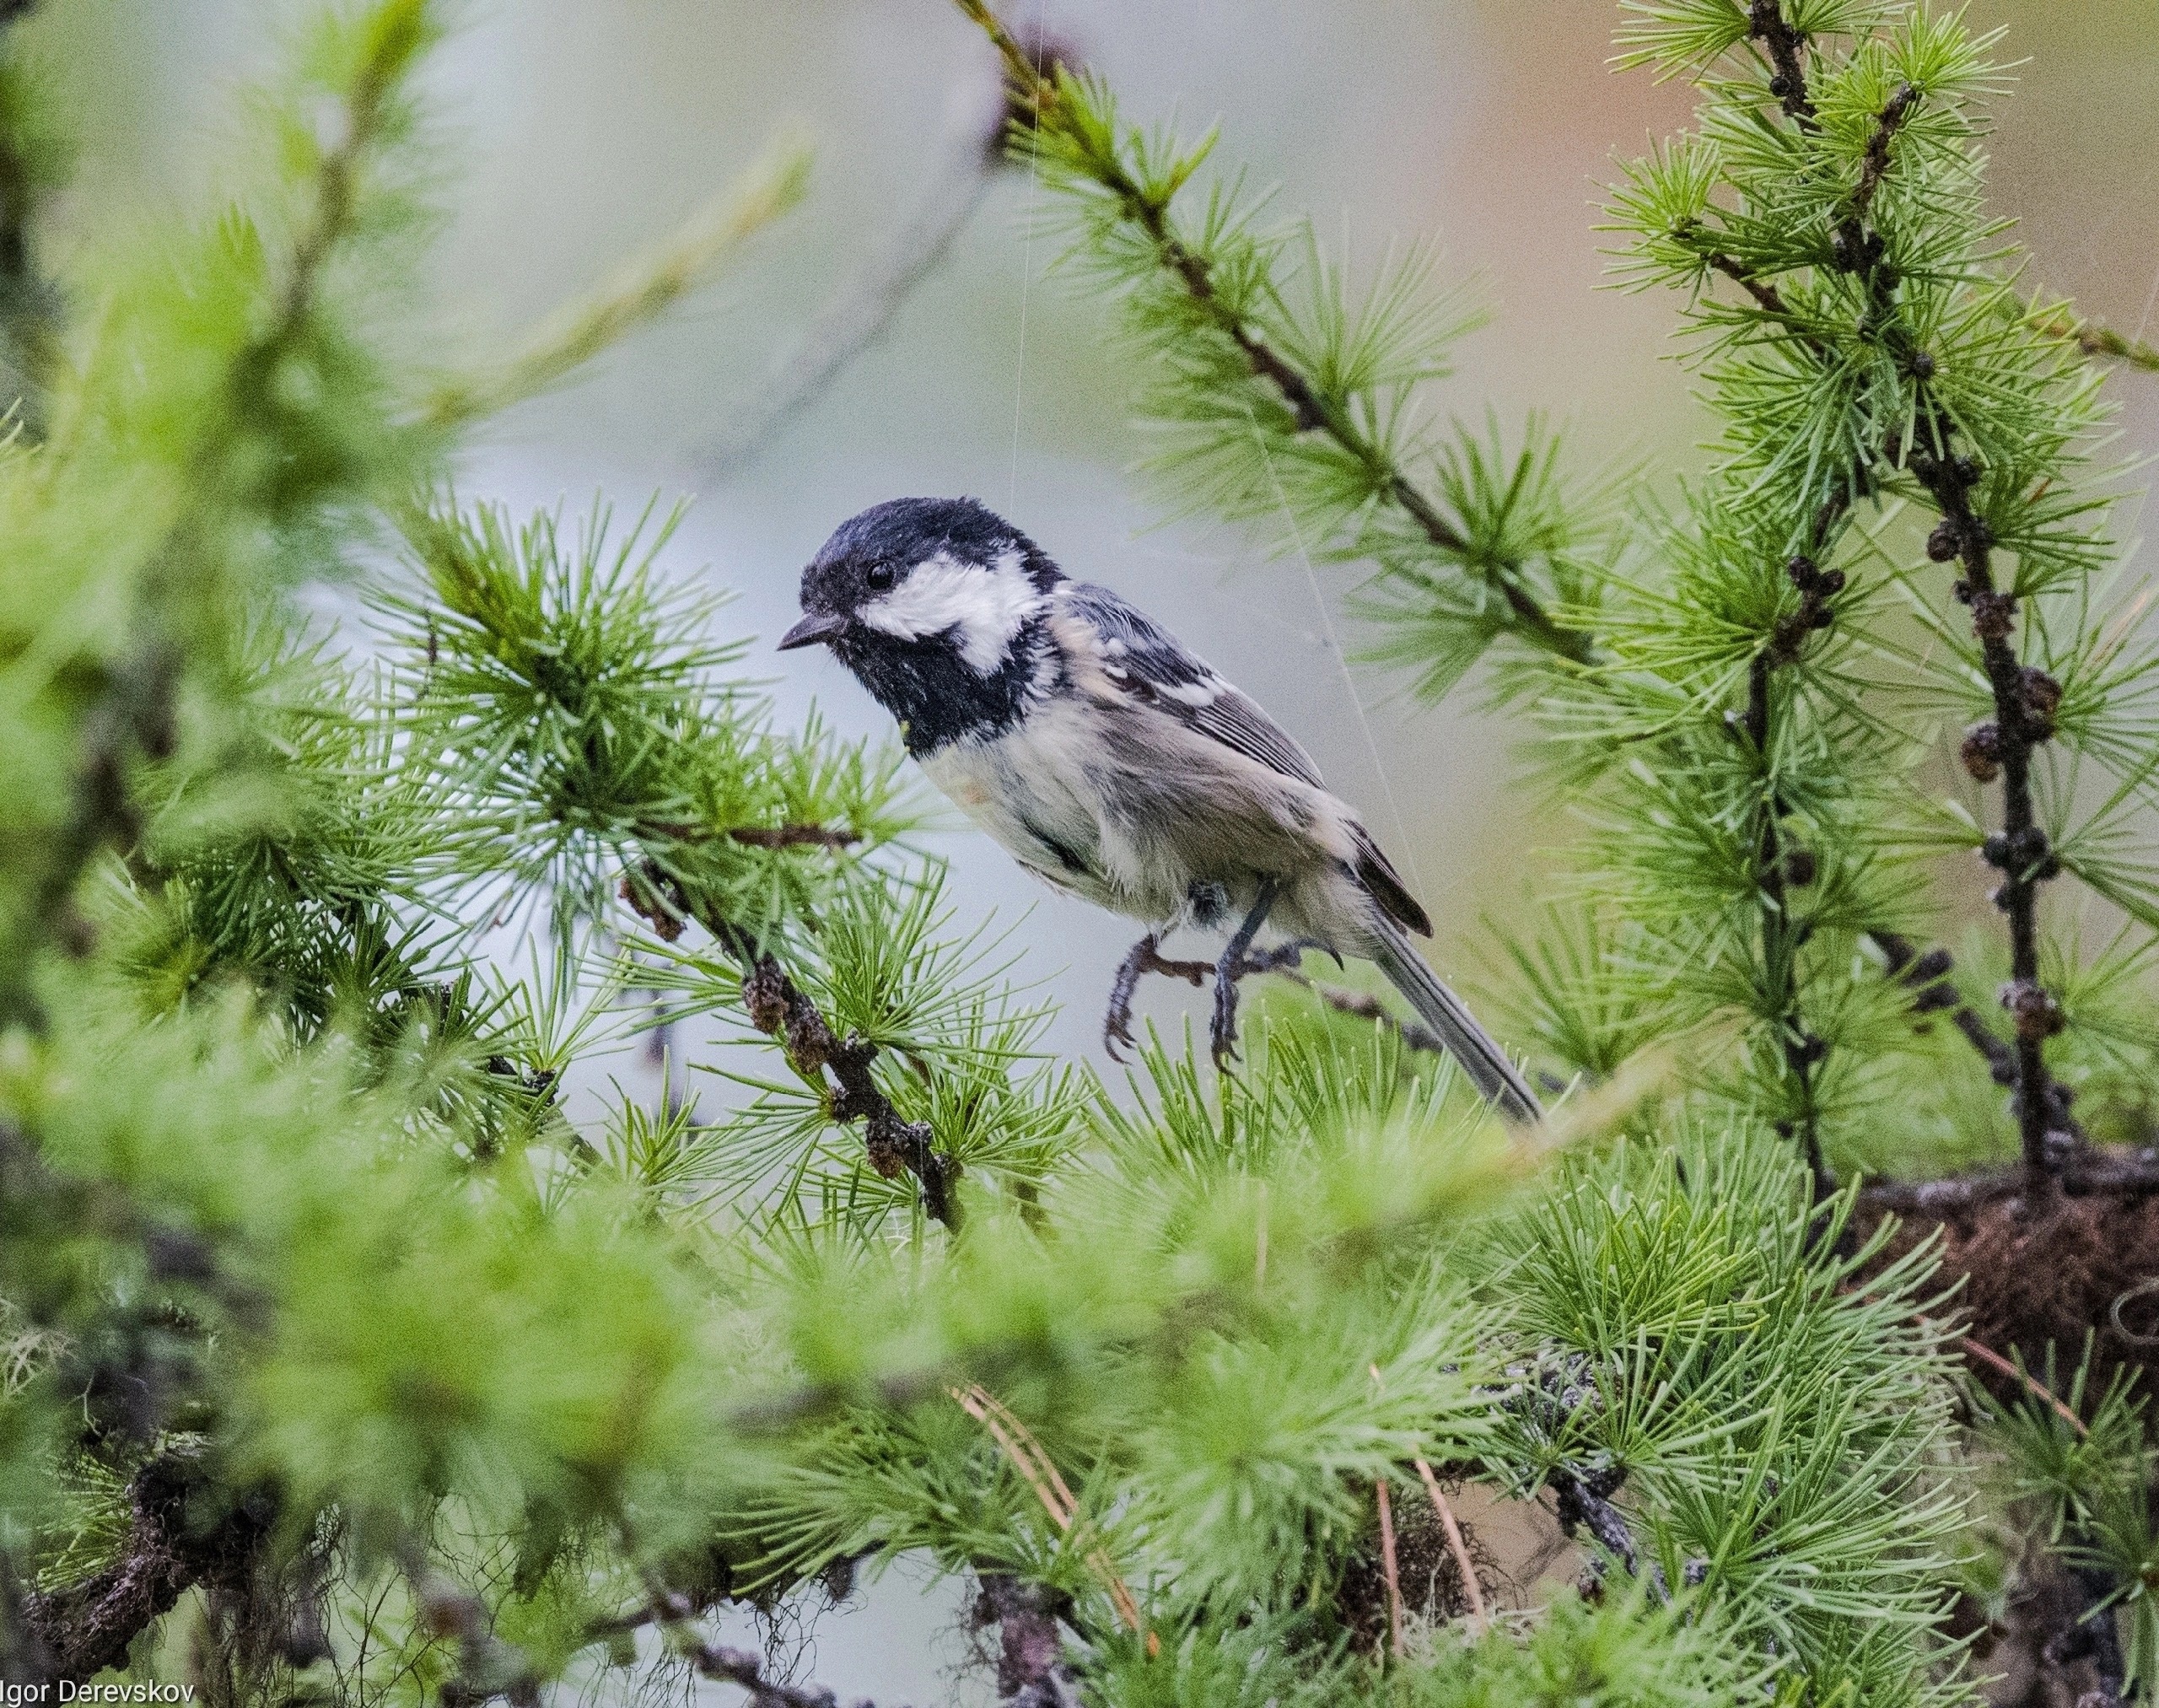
{"points": [[938, 697]]}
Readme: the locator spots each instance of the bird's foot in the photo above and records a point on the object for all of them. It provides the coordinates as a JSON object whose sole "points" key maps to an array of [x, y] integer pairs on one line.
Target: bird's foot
{"points": [[1116, 1024], [1145, 957], [1283, 958], [1222, 1029]]}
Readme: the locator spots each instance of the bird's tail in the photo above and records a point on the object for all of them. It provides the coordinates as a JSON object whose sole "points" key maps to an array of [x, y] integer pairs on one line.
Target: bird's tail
{"points": [[1486, 1064]]}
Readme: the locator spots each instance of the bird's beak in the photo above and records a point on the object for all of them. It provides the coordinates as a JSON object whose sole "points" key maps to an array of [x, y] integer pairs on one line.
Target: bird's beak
{"points": [[814, 630]]}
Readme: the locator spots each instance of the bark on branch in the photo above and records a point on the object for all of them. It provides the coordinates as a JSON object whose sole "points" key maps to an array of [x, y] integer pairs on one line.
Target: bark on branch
{"points": [[840, 1066]]}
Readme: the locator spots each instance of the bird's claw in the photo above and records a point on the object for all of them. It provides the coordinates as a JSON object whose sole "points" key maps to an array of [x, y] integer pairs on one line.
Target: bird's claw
{"points": [[1116, 1024], [1222, 1028], [1116, 1029], [1146, 956], [1237, 962]]}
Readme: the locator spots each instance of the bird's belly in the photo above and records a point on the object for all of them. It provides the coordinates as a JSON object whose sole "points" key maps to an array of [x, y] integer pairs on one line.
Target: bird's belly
{"points": [[1158, 831], [1030, 789]]}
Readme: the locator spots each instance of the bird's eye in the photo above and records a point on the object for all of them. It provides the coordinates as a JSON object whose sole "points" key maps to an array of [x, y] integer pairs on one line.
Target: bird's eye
{"points": [[880, 576]]}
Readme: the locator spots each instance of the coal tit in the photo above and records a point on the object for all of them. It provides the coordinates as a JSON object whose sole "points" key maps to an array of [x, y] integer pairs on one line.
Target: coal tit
{"points": [[1113, 763]]}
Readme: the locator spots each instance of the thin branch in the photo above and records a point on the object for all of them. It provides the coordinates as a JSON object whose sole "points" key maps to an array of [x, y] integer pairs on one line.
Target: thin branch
{"points": [[861, 312], [731, 1666], [1787, 50], [2089, 1174], [1780, 869], [637, 294], [76, 1632], [1767, 297], [135, 717], [1781, 935], [1313, 411], [1028, 1457], [794, 836], [1282, 961], [779, 1008], [1582, 1504], [1928, 976], [2025, 699], [1391, 1565], [1365, 1006], [1874, 167], [487, 1666], [1455, 1544], [2038, 1390], [2093, 338], [672, 1611]]}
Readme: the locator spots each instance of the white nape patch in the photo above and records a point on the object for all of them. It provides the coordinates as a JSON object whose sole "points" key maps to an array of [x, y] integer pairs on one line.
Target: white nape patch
{"points": [[986, 607]]}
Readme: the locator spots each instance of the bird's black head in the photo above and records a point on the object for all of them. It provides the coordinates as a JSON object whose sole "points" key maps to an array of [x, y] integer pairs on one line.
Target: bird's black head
{"points": [[936, 605]]}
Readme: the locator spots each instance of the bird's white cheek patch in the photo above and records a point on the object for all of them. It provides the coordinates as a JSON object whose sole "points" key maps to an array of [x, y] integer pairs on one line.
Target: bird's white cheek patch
{"points": [[983, 608]]}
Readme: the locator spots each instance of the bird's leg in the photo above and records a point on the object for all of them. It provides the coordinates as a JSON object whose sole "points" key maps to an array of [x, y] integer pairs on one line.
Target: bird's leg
{"points": [[1116, 1024], [1223, 1034], [1145, 957]]}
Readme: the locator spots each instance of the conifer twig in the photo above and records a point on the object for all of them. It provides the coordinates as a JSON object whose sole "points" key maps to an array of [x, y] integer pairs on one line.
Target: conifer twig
{"points": [[2038, 1390], [135, 715], [2025, 698], [793, 836], [2094, 338], [487, 1666], [2089, 1175], [1028, 1456], [1778, 869], [1282, 961], [861, 313], [77, 1631], [1584, 1500], [779, 1008], [1362, 1005], [1313, 411], [1581, 1504], [1928, 976], [637, 294], [723, 1664], [1787, 50]]}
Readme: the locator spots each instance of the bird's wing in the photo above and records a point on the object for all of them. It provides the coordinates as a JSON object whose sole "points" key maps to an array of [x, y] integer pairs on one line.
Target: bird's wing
{"points": [[1141, 657], [1144, 660]]}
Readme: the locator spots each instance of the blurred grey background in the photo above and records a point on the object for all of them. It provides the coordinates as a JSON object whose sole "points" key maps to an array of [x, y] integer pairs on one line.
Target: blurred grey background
{"points": [[578, 130]]}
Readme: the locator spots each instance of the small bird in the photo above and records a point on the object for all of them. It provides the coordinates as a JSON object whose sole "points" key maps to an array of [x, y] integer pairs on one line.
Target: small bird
{"points": [[1114, 764]]}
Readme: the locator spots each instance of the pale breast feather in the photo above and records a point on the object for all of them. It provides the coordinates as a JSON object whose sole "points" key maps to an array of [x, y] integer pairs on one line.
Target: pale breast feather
{"points": [[1141, 657], [1030, 789]]}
